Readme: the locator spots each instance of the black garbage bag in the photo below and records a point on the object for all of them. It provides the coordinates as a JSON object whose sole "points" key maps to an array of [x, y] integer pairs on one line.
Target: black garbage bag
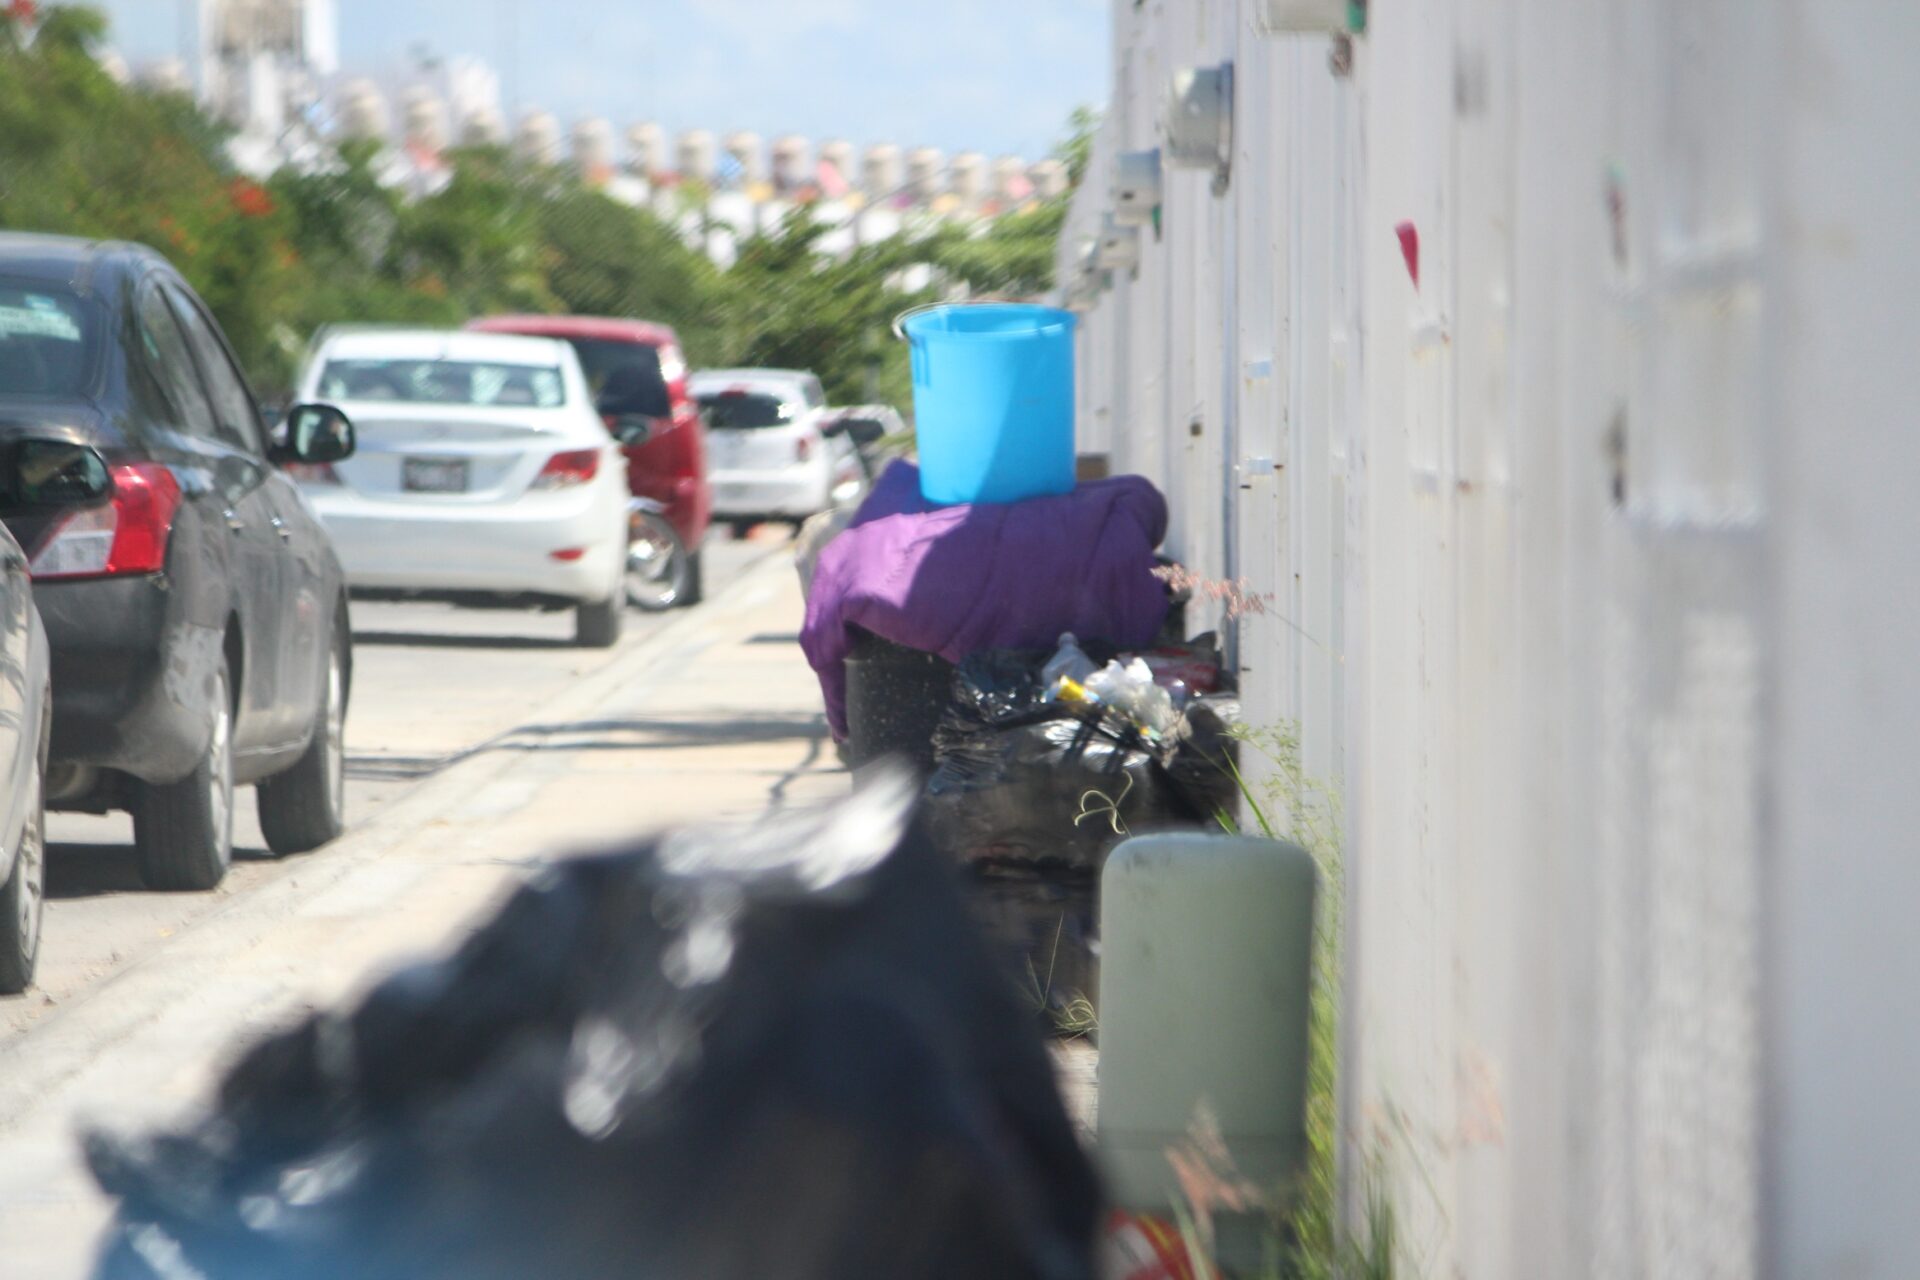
{"points": [[729, 1054], [1020, 780]]}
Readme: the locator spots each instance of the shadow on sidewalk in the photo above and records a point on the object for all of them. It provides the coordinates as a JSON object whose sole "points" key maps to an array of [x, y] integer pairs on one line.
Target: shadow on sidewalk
{"points": [[635, 734], [102, 870], [456, 640]]}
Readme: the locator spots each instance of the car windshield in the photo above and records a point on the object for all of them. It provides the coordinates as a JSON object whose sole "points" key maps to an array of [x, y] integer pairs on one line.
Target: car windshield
{"points": [[730, 409], [624, 377], [49, 341], [460, 382]]}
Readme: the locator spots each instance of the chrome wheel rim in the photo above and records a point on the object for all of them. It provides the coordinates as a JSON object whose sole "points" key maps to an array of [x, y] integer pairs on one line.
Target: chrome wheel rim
{"points": [[220, 784], [30, 865], [654, 565], [334, 725]]}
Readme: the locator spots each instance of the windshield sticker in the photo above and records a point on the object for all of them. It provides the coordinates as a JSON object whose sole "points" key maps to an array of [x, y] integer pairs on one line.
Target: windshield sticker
{"points": [[30, 322]]}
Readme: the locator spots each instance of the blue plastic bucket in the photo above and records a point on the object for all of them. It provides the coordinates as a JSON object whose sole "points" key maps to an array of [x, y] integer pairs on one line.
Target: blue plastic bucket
{"points": [[993, 401]]}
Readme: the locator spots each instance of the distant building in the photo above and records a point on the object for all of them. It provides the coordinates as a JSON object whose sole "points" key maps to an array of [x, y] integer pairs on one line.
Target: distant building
{"points": [[261, 67], [271, 68], [302, 33]]}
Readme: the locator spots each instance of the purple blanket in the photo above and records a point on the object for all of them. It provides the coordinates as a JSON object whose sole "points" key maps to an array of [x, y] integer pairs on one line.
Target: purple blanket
{"points": [[955, 580]]}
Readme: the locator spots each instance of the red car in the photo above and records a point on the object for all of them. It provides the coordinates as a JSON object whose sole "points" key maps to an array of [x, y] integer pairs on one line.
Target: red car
{"points": [[639, 364]]}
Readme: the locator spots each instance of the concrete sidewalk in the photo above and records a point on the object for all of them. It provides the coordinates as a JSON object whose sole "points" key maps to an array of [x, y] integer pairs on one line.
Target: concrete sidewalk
{"points": [[717, 716]]}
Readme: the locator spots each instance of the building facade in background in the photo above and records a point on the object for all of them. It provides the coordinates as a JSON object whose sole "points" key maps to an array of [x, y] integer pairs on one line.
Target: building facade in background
{"points": [[1539, 378], [271, 68]]}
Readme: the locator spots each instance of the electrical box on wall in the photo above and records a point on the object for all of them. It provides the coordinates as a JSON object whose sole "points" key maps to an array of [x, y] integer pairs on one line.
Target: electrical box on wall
{"points": [[1087, 277], [1119, 247], [1327, 17], [1199, 122], [1136, 187]]}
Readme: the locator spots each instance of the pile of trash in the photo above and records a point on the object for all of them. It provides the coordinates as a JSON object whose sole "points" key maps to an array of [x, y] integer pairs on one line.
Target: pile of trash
{"points": [[729, 1053], [1046, 760], [1047, 749]]}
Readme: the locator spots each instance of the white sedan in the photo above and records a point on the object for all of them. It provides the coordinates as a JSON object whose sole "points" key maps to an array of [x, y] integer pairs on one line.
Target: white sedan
{"points": [[483, 470], [767, 453]]}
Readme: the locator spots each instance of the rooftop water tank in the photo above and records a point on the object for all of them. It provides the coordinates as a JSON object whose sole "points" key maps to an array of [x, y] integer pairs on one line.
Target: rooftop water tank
{"points": [[791, 162], [593, 148], [169, 75], [696, 155], [424, 120], [1011, 185], [363, 111], [881, 174], [967, 178], [749, 153], [647, 150], [483, 127], [538, 139], [840, 156], [926, 173]]}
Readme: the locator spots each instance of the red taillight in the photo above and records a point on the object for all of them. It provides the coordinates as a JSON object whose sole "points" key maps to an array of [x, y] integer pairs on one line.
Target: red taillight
{"points": [[803, 448], [128, 534], [314, 473], [564, 470]]}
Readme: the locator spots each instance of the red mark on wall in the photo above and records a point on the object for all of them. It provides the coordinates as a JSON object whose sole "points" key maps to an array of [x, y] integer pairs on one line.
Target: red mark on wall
{"points": [[1410, 250]]}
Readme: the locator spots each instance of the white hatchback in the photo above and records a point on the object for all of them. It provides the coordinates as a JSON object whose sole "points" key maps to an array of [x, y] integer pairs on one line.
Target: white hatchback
{"points": [[767, 456], [483, 469]]}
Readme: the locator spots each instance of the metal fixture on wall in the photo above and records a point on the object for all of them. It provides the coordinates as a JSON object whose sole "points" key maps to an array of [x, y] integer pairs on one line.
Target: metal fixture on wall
{"points": [[1136, 187], [1284, 17], [1119, 246], [1199, 121]]}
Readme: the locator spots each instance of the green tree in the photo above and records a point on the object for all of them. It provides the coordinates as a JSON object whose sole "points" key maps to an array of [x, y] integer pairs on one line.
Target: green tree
{"points": [[1010, 257], [789, 306], [604, 258], [85, 156], [477, 241], [1013, 256], [1076, 149], [82, 155]]}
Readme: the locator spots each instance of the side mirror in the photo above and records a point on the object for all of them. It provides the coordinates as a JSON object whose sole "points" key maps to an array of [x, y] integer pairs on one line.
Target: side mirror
{"points": [[316, 434], [631, 429], [865, 431], [56, 473]]}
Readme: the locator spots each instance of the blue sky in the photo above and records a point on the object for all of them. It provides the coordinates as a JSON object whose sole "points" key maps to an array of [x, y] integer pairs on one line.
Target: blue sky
{"points": [[997, 76]]}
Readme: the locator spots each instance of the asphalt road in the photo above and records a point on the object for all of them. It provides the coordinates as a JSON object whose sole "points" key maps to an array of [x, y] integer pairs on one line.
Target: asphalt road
{"points": [[430, 683]]}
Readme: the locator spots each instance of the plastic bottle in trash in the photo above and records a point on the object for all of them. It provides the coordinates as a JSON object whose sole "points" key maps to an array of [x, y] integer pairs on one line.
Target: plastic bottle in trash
{"points": [[1129, 689], [1069, 662], [1181, 695]]}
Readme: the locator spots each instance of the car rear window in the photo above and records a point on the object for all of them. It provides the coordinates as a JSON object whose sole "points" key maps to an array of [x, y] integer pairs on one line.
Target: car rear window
{"points": [[49, 341], [626, 374], [458, 382], [733, 409]]}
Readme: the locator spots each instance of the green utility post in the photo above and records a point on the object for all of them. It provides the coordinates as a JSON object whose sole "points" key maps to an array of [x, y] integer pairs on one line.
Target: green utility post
{"points": [[1205, 983]]}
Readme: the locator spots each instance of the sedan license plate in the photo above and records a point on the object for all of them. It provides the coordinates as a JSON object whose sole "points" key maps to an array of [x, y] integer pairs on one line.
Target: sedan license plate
{"points": [[434, 475]]}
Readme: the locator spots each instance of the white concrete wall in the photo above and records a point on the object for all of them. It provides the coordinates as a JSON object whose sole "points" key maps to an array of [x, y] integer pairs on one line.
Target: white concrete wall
{"points": [[1589, 570]]}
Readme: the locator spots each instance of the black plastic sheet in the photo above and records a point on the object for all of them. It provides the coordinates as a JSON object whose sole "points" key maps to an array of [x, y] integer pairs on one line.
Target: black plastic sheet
{"points": [[729, 1054], [1021, 780]]}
